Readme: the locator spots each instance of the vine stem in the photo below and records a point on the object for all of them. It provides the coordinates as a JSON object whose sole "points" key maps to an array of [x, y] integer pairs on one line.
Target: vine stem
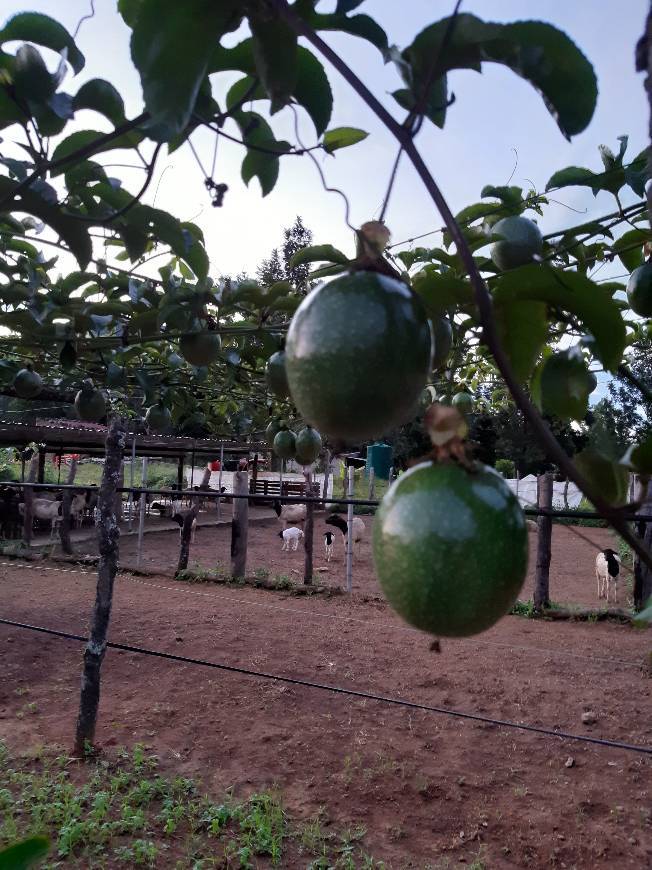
{"points": [[482, 296]]}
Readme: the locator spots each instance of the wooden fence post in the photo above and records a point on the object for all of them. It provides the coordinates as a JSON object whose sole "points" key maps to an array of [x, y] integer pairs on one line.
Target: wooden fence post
{"points": [[350, 490], [327, 474], [41, 465], [64, 525], [108, 538], [141, 512], [186, 534], [28, 499], [308, 529], [372, 483], [544, 544], [239, 525], [642, 574]]}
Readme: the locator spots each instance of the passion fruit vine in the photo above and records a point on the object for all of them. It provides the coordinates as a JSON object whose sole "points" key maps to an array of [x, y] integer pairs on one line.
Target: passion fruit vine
{"points": [[450, 542], [358, 354]]}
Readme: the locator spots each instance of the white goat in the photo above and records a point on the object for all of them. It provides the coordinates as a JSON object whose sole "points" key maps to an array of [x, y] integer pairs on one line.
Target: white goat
{"points": [[358, 528], [607, 568], [290, 513], [291, 536], [43, 509], [329, 537]]}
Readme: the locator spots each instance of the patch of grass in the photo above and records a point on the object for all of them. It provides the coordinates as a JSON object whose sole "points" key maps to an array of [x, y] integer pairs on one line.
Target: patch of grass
{"points": [[121, 811]]}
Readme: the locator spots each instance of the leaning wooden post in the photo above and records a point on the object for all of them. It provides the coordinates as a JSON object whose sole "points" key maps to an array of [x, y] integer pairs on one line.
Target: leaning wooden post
{"points": [[372, 483], [349, 526], [108, 537], [219, 481], [186, 534], [239, 525], [64, 525], [642, 574], [141, 513], [544, 545], [28, 499], [308, 529]]}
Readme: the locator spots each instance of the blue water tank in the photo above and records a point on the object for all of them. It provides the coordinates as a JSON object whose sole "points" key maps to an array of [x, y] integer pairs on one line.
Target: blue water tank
{"points": [[379, 457]]}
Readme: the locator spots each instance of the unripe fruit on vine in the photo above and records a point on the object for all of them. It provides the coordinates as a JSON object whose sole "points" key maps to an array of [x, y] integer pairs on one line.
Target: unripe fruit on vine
{"points": [[450, 548], [276, 375], [200, 348], [308, 446], [358, 355], [442, 333], [521, 241], [158, 417], [285, 444], [27, 383], [566, 384], [272, 430], [90, 404], [639, 290], [463, 401]]}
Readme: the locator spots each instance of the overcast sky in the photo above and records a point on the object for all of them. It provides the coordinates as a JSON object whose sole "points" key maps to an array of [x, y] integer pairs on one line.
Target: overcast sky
{"points": [[495, 117]]}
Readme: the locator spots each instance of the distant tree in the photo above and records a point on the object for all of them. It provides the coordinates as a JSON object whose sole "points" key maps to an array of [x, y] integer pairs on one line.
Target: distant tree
{"points": [[277, 266], [271, 270], [632, 414]]}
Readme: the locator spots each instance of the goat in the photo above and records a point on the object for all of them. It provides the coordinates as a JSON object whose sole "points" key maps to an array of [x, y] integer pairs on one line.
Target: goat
{"points": [[358, 528], [179, 519], [607, 568], [291, 536], [43, 509], [290, 513], [329, 537]]}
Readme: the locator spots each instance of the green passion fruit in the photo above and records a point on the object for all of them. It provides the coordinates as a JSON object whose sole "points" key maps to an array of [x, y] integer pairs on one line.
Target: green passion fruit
{"points": [[450, 548], [272, 430], [463, 401], [442, 333], [276, 375], [565, 385], [639, 290], [308, 446], [158, 418], [90, 404], [358, 355], [285, 444], [521, 241], [27, 383], [200, 348]]}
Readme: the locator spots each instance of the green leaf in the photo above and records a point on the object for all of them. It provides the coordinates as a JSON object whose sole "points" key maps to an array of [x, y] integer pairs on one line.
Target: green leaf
{"points": [[640, 457], [355, 25], [342, 137], [345, 6], [574, 176], [637, 174], [129, 10], [572, 292], [25, 854], [534, 50], [326, 272], [630, 256], [275, 56], [313, 90], [261, 164], [435, 106], [440, 291], [82, 138], [45, 31], [32, 79], [318, 254], [100, 96], [72, 232], [522, 330], [9, 112], [171, 47], [607, 477]]}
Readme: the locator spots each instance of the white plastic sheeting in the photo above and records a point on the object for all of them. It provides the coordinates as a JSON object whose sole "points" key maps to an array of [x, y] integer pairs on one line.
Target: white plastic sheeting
{"points": [[563, 494]]}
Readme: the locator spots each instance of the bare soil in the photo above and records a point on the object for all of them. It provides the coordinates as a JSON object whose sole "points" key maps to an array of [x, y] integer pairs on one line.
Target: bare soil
{"points": [[430, 789]]}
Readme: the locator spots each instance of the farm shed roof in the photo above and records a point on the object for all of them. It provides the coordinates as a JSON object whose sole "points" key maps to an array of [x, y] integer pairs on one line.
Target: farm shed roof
{"points": [[89, 438]]}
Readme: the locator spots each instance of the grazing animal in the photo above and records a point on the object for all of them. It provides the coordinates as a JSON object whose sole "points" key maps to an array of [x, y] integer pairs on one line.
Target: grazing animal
{"points": [[179, 519], [607, 568], [358, 528], [77, 507], [44, 509], [290, 513], [329, 537], [291, 536]]}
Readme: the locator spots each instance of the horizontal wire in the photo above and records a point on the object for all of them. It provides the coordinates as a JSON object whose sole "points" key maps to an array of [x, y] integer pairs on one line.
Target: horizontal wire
{"points": [[340, 690]]}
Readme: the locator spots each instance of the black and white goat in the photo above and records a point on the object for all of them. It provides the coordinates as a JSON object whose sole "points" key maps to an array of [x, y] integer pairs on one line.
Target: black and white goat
{"points": [[329, 537], [291, 538], [290, 514], [358, 528], [179, 517], [607, 569]]}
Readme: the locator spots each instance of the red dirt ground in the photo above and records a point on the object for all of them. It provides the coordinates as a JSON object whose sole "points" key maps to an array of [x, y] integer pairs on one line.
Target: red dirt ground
{"points": [[431, 790]]}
